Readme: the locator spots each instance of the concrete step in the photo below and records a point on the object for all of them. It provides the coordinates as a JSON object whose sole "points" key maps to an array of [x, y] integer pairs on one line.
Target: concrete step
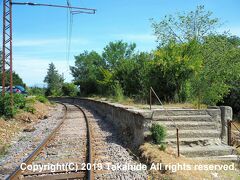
{"points": [[193, 133], [179, 112], [233, 158], [184, 118], [203, 151], [190, 125], [201, 141]]}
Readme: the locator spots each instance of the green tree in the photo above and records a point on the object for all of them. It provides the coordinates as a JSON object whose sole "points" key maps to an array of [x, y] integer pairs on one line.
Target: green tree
{"points": [[220, 67], [54, 81], [106, 82], [36, 91], [118, 56], [131, 74], [177, 63], [17, 80], [233, 97], [193, 55], [179, 54], [185, 27], [116, 52], [86, 71]]}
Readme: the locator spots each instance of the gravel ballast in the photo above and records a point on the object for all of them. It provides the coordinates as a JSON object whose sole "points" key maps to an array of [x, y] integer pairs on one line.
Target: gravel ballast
{"points": [[117, 161], [25, 142], [117, 156]]}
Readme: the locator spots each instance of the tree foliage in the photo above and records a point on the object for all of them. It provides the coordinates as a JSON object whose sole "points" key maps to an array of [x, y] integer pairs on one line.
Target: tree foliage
{"points": [[99, 74], [86, 71], [185, 27], [194, 57], [220, 66], [177, 63], [17, 80], [69, 89], [54, 81], [116, 52], [191, 63]]}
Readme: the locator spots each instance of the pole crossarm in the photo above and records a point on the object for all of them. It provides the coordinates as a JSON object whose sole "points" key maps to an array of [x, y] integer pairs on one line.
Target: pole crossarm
{"points": [[81, 12], [56, 6]]}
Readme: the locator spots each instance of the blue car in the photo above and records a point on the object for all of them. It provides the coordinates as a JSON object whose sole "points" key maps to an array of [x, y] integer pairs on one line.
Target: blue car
{"points": [[18, 89]]}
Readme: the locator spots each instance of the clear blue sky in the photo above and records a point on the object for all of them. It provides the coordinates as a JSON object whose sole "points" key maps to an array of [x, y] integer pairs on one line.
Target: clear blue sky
{"points": [[39, 33]]}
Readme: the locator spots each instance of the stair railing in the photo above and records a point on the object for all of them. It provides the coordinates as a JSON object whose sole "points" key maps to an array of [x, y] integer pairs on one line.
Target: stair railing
{"points": [[230, 139], [150, 97], [177, 129]]}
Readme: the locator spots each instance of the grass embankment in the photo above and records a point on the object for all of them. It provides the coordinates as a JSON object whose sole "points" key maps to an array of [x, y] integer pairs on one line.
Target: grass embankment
{"points": [[36, 108], [184, 168]]}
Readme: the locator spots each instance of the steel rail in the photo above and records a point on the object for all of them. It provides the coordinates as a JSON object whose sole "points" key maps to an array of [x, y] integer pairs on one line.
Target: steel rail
{"points": [[31, 157], [90, 174]]}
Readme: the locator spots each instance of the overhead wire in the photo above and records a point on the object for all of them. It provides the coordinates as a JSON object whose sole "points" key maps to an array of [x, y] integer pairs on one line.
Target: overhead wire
{"points": [[69, 34], [67, 31], [70, 14]]}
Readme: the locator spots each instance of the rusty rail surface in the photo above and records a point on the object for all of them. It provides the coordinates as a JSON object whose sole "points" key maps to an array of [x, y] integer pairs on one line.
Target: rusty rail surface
{"points": [[90, 175], [31, 157]]}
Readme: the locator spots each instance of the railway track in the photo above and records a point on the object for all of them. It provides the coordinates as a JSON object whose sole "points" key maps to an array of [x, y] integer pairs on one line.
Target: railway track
{"points": [[67, 153]]}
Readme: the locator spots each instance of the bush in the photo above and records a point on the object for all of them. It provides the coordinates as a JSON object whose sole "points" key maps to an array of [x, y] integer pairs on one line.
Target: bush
{"points": [[5, 104], [162, 147], [36, 91], [118, 92], [3, 150], [158, 133], [42, 99], [5, 107], [19, 101], [69, 89], [30, 100]]}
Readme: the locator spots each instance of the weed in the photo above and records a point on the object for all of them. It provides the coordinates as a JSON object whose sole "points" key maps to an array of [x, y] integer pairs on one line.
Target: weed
{"points": [[158, 133], [4, 150], [42, 99], [30, 109], [162, 147]]}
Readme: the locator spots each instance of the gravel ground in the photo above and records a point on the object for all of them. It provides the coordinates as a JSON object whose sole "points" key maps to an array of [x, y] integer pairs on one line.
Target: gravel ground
{"points": [[26, 142], [108, 148], [113, 149]]}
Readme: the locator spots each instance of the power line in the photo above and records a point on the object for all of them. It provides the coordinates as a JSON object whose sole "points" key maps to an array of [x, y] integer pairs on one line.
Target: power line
{"points": [[67, 34], [7, 35], [70, 13]]}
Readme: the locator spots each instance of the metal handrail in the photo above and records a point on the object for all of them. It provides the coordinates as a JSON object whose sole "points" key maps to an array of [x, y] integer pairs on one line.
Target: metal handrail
{"points": [[152, 90], [229, 132], [177, 129]]}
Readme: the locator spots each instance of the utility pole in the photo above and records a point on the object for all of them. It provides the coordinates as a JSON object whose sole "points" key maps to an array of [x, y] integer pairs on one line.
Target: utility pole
{"points": [[7, 36], [7, 45]]}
